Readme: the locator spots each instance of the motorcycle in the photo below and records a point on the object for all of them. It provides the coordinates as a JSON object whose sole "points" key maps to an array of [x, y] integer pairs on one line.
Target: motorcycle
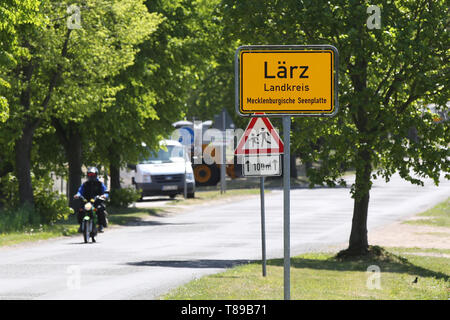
{"points": [[90, 219]]}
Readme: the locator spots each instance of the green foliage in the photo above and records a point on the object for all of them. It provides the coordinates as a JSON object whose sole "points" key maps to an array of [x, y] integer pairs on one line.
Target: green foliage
{"points": [[159, 88], [122, 198], [13, 14], [9, 191], [18, 219], [4, 110], [50, 205], [65, 74], [71, 65], [387, 77]]}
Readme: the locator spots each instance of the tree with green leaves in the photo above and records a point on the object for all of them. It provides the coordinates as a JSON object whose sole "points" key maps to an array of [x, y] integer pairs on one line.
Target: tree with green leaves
{"points": [[13, 14], [61, 73], [387, 77], [157, 87]]}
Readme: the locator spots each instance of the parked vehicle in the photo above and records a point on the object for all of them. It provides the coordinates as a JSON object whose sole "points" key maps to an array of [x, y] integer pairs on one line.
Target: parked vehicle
{"points": [[166, 172]]}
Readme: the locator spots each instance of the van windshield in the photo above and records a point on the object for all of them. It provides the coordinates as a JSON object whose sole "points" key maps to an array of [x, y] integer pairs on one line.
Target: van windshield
{"points": [[173, 153]]}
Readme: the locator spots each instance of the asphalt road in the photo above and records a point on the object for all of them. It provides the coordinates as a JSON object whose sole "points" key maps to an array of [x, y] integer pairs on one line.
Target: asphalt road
{"points": [[144, 262]]}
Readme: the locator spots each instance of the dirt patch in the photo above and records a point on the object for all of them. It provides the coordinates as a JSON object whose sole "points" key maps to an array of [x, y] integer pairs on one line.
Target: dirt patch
{"points": [[404, 235]]}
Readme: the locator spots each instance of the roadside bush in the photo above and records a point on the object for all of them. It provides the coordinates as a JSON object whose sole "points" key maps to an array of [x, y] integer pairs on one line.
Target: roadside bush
{"points": [[122, 198], [10, 191], [18, 219], [50, 206]]}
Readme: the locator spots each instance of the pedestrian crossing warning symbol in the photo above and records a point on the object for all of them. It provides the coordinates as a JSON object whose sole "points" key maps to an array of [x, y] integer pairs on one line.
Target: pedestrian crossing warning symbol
{"points": [[260, 137]]}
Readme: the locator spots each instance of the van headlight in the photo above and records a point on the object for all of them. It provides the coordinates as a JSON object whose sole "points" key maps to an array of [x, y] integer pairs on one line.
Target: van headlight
{"points": [[147, 178], [190, 176]]}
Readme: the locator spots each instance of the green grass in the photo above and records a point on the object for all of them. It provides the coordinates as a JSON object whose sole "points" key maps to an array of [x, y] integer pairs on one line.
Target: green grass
{"points": [[70, 227], [38, 233], [322, 276], [438, 216], [206, 196]]}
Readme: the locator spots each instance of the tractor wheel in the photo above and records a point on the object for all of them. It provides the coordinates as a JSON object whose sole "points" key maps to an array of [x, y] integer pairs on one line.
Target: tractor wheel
{"points": [[206, 175]]}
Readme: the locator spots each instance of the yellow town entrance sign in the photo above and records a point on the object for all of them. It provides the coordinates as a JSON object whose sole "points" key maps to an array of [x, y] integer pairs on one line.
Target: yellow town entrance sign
{"points": [[286, 80]]}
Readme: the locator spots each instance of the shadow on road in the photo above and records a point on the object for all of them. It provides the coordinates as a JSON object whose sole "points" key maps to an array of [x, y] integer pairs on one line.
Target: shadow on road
{"points": [[200, 264]]}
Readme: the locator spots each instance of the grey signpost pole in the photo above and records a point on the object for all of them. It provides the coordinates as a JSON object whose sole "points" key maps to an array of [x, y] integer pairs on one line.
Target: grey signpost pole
{"points": [[185, 172], [286, 206], [263, 227], [224, 157]]}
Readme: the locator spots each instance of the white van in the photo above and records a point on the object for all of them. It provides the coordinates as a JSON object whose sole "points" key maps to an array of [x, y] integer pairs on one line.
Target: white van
{"points": [[164, 173]]}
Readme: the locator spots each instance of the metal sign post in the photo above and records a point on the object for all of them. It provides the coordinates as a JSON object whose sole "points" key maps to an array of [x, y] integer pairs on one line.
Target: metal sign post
{"points": [[260, 146], [263, 227], [224, 156], [185, 171], [286, 206]]}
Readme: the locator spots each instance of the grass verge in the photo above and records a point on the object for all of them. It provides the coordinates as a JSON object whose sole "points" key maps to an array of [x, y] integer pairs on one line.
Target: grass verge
{"points": [[323, 276], [122, 216], [438, 216], [206, 196], [43, 232]]}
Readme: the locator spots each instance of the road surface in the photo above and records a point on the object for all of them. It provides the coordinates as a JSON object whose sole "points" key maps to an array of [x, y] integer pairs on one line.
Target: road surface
{"points": [[144, 262]]}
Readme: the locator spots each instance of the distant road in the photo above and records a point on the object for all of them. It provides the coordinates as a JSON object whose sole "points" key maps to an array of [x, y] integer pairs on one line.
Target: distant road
{"points": [[144, 262]]}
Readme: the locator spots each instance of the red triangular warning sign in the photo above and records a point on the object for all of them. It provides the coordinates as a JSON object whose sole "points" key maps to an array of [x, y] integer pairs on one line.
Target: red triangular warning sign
{"points": [[260, 137]]}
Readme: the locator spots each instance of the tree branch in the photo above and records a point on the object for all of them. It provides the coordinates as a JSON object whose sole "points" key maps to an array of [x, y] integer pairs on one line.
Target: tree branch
{"points": [[56, 74], [60, 132]]}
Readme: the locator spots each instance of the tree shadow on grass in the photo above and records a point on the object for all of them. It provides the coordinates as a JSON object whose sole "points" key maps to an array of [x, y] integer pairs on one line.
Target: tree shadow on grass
{"points": [[390, 263]]}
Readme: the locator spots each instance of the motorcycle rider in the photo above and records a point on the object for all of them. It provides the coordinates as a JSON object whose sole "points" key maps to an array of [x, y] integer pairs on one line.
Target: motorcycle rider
{"points": [[89, 190]]}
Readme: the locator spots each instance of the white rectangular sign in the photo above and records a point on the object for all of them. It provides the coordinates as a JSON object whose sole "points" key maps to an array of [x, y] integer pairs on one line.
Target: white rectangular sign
{"points": [[261, 165]]}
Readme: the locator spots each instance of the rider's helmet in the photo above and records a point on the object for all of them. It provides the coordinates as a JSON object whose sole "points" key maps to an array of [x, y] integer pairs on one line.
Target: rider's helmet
{"points": [[92, 173]]}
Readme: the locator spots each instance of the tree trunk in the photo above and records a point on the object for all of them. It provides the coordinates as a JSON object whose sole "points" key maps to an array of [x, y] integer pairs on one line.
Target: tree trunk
{"points": [[114, 172], [70, 137], [23, 164], [74, 159], [358, 244], [294, 173], [114, 166]]}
